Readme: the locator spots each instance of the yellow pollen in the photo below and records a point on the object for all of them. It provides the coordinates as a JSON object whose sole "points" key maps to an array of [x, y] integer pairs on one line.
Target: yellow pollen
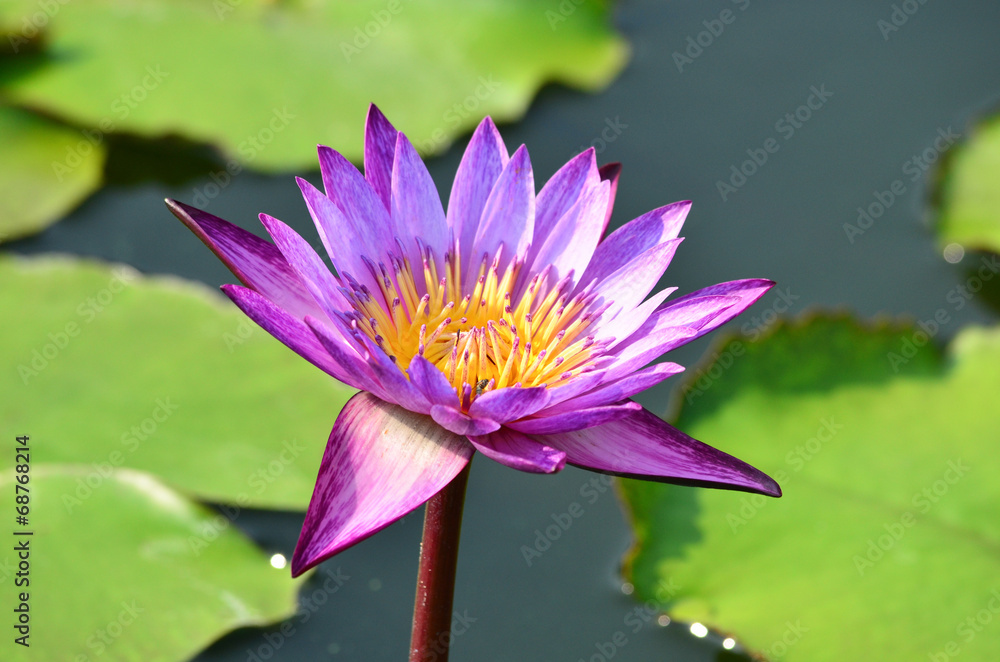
{"points": [[481, 340]]}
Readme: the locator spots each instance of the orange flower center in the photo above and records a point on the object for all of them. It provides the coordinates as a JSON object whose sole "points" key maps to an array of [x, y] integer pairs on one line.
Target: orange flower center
{"points": [[482, 340]]}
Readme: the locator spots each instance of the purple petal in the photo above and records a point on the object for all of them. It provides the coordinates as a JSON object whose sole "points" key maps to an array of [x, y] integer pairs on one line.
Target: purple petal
{"points": [[519, 451], [309, 267], [636, 237], [508, 404], [431, 382], [684, 319], [359, 373], [671, 326], [610, 172], [562, 191], [748, 291], [618, 390], [355, 197], [578, 385], [630, 357], [454, 420], [399, 389], [479, 170], [628, 286], [380, 463], [416, 205], [345, 242], [575, 420], [380, 146], [509, 215], [627, 322], [570, 244], [688, 311], [643, 446], [291, 331], [257, 263]]}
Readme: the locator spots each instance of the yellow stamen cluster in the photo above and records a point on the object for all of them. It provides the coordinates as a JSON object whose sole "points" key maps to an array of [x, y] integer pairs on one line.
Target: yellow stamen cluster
{"points": [[483, 340]]}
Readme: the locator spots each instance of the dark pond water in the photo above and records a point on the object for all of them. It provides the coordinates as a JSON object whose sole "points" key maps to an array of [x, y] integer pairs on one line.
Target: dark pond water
{"points": [[883, 99]]}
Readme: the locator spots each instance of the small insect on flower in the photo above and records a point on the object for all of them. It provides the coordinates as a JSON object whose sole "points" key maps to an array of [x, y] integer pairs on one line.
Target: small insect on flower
{"points": [[509, 325]]}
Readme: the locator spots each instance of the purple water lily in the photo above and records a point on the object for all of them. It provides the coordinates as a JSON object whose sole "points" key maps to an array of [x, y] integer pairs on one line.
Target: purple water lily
{"points": [[504, 326]]}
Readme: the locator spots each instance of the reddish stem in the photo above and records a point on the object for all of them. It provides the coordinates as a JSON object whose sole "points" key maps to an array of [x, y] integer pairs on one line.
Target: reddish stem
{"points": [[431, 636]]}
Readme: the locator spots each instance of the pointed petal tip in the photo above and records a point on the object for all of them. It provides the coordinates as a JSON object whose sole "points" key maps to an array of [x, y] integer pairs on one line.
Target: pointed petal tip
{"points": [[232, 291], [374, 110], [520, 152], [610, 171], [487, 124], [299, 563], [183, 212], [758, 482]]}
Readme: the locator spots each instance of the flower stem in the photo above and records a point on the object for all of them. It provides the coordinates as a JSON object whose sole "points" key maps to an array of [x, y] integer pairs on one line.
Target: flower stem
{"points": [[431, 636]]}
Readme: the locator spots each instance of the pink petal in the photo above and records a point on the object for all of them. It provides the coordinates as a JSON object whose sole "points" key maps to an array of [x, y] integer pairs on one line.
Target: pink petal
{"points": [[571, 242], [484, 160], [291, 331], [380, 146], [399, 389], [636, 237], [308, 266], [618, 390], [629, 284], [257, 263], [355, 197], [562, 191], [359, 373], [688, 312], [578, 385], [431, 382], [684, 319], [519, 451], [416, 207], [668, 328], [508, 404], [450, 418], [380, 463], [575, 420], [747, 291], [627, 322], [509, 215], [630, 357], [345, 241], [643, 446]]}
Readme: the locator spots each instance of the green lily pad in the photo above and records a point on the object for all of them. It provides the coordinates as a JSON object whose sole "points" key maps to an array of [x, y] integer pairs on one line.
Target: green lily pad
{"points": [[268, 80], [132, 571], [110, 368], [886, 543], [47, 169], [970, 197]]}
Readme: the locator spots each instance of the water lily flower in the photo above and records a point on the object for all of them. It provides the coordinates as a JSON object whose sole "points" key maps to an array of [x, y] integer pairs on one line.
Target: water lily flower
{"points": [[505, 325]]}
